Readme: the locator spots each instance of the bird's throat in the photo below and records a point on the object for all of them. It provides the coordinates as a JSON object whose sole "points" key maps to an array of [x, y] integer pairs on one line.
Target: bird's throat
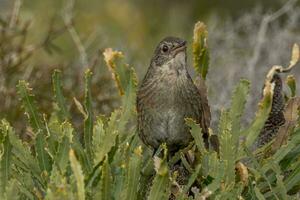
{"points": [[175, 67]]}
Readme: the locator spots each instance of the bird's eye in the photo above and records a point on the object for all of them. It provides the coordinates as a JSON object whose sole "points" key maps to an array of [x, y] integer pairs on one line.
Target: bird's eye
{"points": [[165, 48]]}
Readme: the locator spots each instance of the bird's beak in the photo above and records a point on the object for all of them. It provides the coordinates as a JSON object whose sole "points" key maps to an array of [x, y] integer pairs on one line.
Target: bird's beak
{"points": [[179, 48]]}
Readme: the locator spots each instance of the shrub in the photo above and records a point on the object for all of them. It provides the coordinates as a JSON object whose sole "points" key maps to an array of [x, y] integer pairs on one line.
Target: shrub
{"points": [[108, 161]]}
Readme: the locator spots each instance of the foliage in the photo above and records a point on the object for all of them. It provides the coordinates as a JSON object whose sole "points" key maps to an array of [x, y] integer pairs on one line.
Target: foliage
{"points": [[19, 55], [200, 49]]}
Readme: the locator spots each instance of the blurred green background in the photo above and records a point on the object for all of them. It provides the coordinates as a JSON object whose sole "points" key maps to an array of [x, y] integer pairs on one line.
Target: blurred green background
{"points": [[135, 27]]}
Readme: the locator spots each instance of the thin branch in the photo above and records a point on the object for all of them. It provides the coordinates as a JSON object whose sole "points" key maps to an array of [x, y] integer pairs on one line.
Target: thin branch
{"points": [[267, 19], [91, 38], [284, 9], [15, 13]]}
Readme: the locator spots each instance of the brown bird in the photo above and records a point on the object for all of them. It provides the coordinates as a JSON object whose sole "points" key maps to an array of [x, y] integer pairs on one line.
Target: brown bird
{"points": [[168, 95]]}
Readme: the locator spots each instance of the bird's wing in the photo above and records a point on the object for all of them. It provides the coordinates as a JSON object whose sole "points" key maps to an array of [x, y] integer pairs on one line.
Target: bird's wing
{"points": [[210, 140], [206, 115]]}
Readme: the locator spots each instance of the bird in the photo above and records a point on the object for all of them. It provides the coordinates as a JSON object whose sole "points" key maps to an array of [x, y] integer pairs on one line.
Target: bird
{"points": [[167, 96]]}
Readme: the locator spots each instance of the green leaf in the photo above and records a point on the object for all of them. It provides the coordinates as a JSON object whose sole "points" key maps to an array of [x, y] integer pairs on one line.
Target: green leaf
{"points": [[59, 97], [88, 121], [53, 132], [161, 184], [119, 155], [258, 194], [5, 156], [61, 157], [218, 174], [214, 164], [128, 102], [185, 163], [37, 124], [197, 134], [43, 157], [111, 57], [294, 178], [281, 186], [291, 82], [77, 171], [200, 50], [103, 140], [23, 157], [260, 173], [105, 191], [238, 102], [133, 174], [123, 75], [192, 179], [27, 184], [262, 115], [227, 148], [284, 149], [82, 157], [126, 81], [12, 191], [58, 187], [35, 119]]}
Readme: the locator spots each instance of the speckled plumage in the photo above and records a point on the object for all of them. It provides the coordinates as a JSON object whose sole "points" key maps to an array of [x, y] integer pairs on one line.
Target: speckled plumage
{"points": [[168, 95]]}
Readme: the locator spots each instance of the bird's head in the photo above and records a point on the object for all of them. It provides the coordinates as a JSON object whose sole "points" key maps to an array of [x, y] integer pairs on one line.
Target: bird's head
{"points": [[170, 49]]}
